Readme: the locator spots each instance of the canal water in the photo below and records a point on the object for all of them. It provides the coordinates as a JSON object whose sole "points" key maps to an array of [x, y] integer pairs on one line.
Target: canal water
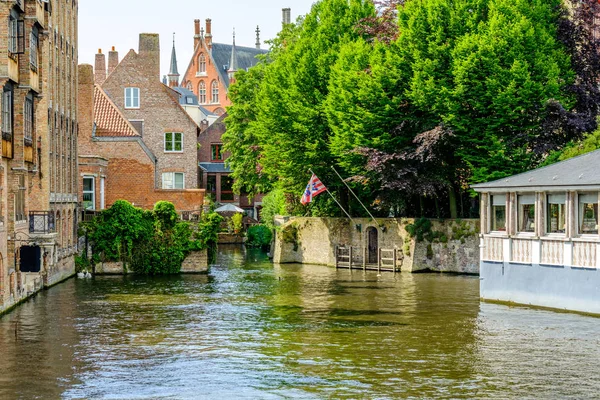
{"points": [[251, 330]]}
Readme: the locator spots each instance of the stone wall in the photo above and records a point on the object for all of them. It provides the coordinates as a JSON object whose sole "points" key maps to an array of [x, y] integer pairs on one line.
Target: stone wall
{"points": [[313, 241], [195, 263]]}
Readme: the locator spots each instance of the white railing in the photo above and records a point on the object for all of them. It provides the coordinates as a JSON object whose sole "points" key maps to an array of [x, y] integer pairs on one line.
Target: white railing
{"points": [[584, 254], [493, 249], [521, 250], [553, 252]]}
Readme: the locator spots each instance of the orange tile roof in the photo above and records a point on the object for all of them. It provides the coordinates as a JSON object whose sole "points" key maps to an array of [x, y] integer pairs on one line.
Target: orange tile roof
{"points": [[109, 120]]}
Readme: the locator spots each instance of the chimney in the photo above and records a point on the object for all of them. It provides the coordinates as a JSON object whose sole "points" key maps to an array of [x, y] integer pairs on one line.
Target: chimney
{"points": [[113, 60], [286, 15], [85, 111], [149, 50], [208, 36], [197, 36], [100, 68]]}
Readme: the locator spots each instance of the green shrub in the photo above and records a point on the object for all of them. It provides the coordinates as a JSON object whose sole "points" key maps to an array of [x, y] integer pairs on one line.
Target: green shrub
{"points": [[273, 204], [419, 229], [153, 242], [237, 221], [259, 236]]}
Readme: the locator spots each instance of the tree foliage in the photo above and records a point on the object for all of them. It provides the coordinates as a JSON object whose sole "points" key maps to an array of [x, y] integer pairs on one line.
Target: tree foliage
{"points": [[414, 99], [150, 242]]}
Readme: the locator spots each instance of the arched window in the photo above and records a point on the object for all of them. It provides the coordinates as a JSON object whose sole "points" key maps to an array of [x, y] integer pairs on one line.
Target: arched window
{"points": [[202, 92], [189, 86], [214, 92], [201, 63]]}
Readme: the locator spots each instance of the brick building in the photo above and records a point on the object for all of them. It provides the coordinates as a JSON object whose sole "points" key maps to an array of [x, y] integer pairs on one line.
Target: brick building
{"points": [[136, 141], [208, 76], [38, 168], [213, 66]]}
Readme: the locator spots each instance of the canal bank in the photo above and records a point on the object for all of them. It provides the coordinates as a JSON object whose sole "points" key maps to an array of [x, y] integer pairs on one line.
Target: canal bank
{"points": [[251, 329], [434, 245]]}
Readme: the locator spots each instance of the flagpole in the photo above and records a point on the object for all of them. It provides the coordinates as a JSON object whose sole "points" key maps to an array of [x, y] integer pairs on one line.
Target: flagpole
{"points": [[361, 203], [334, 199]]}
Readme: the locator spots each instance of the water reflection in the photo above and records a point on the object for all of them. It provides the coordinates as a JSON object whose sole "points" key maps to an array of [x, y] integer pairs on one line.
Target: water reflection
{"points": [[254, 330]]}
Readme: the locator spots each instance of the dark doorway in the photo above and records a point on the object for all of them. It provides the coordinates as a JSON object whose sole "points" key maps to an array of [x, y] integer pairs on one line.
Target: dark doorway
{"points": [[372, 245], [30, 258]]}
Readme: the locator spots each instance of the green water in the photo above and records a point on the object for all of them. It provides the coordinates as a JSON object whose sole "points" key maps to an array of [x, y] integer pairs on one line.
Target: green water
{"points": [[252, 330]]}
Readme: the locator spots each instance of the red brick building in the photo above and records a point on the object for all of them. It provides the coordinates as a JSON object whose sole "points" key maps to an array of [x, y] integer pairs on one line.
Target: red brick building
{"points": [[208, 76], [213, 65], [136, 142]]}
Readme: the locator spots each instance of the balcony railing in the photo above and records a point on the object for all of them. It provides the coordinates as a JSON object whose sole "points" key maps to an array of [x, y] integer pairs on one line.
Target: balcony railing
{"points": [[41, 222]]}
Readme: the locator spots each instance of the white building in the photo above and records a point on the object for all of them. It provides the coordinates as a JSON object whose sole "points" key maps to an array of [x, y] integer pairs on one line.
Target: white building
{"points": [[539, 236]]}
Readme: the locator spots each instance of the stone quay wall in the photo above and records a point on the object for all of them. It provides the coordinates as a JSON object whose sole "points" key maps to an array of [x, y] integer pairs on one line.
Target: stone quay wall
{"points": [[454, 248], [195, 263]]}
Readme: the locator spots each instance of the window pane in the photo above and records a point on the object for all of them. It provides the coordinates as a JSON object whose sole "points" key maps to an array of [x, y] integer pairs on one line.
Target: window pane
{"points": [[556, 218], [526, 217], [179, 181], [88, 184], [498, 218], [588, 214], [178, 142], [168, 141]]}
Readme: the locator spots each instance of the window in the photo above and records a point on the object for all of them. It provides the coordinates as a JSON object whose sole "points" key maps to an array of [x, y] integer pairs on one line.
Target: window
{"points": [[498, 219], [214, 92], [89, 194], [33, 48], [588, 213], [7, 113], [211, 186], [526, 210], [555, 218], [173, 141], [16, 33], [189, 86], [173, 180], [20, 200], [28, 120], [226, 188], [132, 97], [201, 63], [202, 92], [215, 152]]}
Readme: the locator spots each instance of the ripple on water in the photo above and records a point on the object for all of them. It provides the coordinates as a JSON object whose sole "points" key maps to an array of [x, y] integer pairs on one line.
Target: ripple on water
{"points": [[254, 330]]}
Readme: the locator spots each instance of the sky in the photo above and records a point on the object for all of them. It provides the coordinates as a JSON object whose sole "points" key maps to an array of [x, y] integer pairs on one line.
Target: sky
{"points": [[119, 22]]}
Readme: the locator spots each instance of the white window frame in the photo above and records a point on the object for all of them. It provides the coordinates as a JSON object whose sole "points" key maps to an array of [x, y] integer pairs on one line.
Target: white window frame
{"points": [[526, 201], [173, 142], [201, 64], [497, 198], [93, 191], [131, 100], [169, 180], [554, 195]]}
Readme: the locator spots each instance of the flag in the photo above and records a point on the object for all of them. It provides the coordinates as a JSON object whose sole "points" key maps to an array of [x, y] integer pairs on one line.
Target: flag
{"points": [[314, 187]]}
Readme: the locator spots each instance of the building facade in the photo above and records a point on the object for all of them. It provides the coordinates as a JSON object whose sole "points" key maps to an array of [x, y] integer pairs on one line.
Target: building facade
{"points": [[38, 168], [539, 236], [213, 65], [136, 141]]}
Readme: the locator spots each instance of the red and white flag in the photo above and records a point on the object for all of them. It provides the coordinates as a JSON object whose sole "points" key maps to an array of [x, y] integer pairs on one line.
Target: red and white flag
{"points": [[314, 187]]}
